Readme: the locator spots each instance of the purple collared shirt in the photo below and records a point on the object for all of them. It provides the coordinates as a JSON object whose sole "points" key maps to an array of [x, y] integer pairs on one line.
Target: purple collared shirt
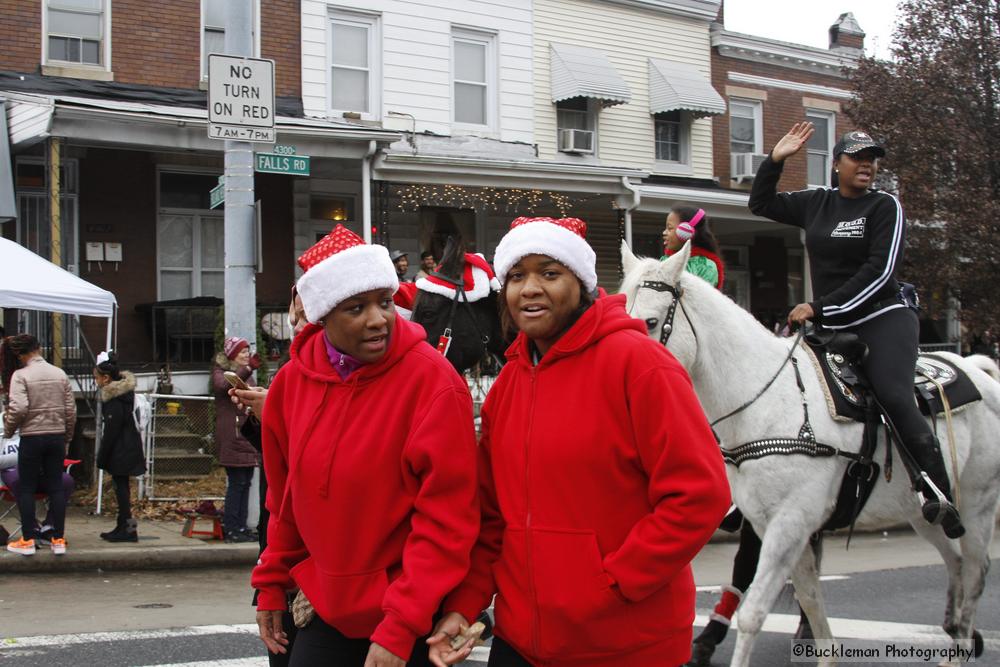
{"points": [[344, 364]]}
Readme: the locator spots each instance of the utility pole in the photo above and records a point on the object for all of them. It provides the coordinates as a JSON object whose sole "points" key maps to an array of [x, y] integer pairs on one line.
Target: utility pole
{"points": [[240, 217]]}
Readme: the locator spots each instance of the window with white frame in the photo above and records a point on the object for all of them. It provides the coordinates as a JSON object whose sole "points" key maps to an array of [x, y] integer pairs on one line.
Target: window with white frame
{"points": [[354, 64], [76, 31], [745, 126], [671, 136], [473, 72], [189, 238], [576, 123], [819, 148], [213, 30]]}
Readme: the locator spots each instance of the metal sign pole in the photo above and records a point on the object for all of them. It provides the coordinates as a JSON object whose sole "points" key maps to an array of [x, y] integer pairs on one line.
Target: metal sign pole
{"points": [[240, 285]]}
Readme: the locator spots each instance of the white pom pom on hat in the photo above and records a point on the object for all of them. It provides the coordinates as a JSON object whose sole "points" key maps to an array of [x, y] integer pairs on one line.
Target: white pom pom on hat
{"points": [[562, 239]]}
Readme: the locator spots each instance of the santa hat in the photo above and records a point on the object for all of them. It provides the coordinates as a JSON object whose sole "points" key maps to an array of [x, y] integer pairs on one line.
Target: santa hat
{"points": [[404, 299], [478, 280], [339, 266], [232, 346], [562, 240]]}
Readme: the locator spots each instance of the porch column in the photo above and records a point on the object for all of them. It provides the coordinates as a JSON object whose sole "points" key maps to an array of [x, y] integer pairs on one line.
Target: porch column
{"points": [[55, 248]]}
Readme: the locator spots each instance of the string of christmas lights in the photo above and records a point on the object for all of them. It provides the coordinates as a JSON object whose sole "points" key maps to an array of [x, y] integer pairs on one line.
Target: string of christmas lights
{"points": [[498, 200]]}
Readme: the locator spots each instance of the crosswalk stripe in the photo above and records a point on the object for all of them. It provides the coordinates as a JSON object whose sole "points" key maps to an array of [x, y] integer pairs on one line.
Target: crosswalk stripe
{"points": [[130, 635], [234, 662], [851, 628], [825, 577]]}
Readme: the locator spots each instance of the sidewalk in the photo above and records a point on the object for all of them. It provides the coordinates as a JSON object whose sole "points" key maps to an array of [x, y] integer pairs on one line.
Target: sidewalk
{"points": [[161, 546]]}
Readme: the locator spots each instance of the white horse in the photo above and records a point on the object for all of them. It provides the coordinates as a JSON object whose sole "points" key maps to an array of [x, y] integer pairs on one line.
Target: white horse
{"points": [[787, 498]]}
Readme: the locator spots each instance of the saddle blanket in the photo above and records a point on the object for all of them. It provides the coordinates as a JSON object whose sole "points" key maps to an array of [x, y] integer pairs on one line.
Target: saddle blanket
{"points": [[845, 401]]}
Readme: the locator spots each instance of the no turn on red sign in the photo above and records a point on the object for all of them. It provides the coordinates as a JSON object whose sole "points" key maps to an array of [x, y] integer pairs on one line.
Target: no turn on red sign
{"points": [[240, 98]]}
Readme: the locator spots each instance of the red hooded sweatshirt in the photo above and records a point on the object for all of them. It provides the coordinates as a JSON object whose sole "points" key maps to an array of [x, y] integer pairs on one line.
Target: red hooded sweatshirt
{"points": [[600, 480], [372, 487]]}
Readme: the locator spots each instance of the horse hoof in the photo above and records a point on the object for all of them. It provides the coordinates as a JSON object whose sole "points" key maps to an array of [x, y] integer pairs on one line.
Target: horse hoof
{"points": [[701, 654], [977, 643]]}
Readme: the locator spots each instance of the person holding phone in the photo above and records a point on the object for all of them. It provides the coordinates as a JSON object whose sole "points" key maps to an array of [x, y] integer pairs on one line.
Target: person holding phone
{"points": [[370, 456], [589, 523], [235, 453]]}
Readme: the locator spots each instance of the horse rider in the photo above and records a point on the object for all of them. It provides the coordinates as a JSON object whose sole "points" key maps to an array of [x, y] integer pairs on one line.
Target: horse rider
{"points": [[855, 235]]}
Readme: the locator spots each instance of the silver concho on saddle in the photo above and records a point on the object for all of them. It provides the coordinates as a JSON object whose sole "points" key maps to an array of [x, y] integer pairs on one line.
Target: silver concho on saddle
{"points": [[845, 382]]}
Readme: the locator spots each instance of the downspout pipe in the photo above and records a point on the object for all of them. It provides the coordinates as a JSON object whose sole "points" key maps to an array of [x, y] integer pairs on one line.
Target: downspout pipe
{"points": [[628, 209], [366, 191]]}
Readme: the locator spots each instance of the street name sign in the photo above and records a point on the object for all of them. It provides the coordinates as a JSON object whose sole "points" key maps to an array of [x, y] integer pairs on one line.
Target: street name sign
{"points": [[240, 98], [217, 195], [272, 163]]}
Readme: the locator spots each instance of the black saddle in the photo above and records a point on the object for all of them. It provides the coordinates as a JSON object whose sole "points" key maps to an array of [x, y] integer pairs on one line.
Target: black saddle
{"points": [[842, 355]]}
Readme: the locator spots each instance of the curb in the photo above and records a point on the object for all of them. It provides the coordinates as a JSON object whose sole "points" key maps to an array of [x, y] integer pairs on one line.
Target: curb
{"points": [[131, 558]]}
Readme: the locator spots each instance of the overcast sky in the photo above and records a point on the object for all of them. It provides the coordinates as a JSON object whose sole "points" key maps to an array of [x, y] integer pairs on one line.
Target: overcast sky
{"points": [[807, 21]]}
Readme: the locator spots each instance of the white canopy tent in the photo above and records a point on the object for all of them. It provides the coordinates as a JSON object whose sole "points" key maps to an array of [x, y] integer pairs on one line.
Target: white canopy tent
{"points": [[31, 282]]}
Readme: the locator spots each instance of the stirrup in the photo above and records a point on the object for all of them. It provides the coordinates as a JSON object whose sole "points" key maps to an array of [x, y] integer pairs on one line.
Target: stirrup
{"points": [[938, 510]]}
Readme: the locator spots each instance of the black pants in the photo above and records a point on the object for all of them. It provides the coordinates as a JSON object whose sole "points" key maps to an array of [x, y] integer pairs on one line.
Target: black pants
{"points": [[234, 519], [503, 655], [892, 339], [40, 464], [320, 644], [124, 497], [284, 659]]}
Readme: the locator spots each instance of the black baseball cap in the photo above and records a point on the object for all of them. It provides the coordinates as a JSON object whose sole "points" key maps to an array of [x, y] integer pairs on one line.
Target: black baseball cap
{"points": [[855, 141]]}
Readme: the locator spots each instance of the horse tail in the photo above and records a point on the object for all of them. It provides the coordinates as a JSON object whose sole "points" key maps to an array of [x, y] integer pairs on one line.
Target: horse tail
{"points": [[985, 364]]}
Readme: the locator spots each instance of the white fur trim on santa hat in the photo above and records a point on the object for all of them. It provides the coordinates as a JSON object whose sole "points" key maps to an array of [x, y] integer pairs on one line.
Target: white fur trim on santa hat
{"points": [[357, 269], [482, 286], [546, 238]]}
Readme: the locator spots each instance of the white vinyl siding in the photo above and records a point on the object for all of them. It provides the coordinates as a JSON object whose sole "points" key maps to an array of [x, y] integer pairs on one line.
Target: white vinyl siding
{"points": [[629, 37], [415, 52]]}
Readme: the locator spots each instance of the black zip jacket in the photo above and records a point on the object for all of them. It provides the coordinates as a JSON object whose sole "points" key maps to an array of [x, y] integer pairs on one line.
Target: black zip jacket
{"points": [[855, 245]]}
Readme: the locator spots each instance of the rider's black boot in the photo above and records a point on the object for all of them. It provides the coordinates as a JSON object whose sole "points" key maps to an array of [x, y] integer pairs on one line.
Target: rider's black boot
{"points": [[939, 508]]}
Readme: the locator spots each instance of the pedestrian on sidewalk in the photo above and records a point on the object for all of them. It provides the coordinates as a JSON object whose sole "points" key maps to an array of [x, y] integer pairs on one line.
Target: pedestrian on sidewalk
{"points": [[589, 522], [120, 451], [10, 479], [369, 451], [40, 403], [236, 454]]}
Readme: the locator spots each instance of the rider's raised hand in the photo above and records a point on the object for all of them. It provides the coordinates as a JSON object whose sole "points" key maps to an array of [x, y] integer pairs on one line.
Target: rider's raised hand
{"points": [[792, 143]]}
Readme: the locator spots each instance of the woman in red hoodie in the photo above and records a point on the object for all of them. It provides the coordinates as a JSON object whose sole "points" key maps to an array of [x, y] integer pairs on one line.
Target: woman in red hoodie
{"points": [[599, 476], [369, 452]]}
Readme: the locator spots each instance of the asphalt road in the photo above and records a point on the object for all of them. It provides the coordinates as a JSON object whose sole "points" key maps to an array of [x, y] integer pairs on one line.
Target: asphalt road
{"points": [[203, 617]]}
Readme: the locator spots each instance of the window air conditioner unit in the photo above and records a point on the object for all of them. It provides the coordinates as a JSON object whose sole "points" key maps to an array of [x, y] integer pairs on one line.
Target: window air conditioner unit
{"points": [[744, 165], [576, 141]]}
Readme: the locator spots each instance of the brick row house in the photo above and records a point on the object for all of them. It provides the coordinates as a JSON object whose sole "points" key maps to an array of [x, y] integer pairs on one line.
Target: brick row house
{"points": [[422, 119]]}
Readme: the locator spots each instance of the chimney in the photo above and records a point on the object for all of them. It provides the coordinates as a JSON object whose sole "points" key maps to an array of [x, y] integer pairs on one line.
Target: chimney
{"points": [[847, 36]]}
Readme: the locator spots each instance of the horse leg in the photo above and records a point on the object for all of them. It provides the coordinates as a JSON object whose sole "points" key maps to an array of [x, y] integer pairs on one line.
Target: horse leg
{"points": [[782, 546], [744, 569], [975, 564], [952, 556], [805, 577]]}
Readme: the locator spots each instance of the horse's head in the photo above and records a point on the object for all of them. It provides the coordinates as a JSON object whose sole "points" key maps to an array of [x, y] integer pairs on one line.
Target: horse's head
{"points": [[470, 323], [655, 291]]}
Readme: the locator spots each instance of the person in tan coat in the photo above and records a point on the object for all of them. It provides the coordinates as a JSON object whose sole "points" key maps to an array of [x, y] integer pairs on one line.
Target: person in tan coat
{"points": [[40, 403]]}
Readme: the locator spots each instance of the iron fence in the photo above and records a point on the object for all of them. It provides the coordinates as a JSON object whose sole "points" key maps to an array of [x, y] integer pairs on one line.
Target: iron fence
{"points": [[181, 454]]}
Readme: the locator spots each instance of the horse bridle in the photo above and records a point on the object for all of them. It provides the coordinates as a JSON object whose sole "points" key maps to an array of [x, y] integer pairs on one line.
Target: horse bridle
{"points": [[668, 320]]}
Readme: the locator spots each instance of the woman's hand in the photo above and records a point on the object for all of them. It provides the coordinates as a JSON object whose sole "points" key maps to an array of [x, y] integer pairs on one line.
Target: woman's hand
{"points": [[792, 143], [800, 314], [249, 399], [379, 656], [441, 652], [271, 630]]}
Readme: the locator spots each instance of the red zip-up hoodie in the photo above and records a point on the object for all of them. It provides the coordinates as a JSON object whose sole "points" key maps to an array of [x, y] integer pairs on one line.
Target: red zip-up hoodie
{"points": [[371, 487], [600, 480]]}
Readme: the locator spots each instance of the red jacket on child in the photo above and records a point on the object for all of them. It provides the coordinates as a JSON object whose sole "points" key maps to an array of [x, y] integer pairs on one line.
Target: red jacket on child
{"points": [[600, 480], [371, 487]]}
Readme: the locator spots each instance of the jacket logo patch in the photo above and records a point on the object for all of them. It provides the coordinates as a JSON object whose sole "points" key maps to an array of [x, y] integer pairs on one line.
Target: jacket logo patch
{"points": [[850, 229]]}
